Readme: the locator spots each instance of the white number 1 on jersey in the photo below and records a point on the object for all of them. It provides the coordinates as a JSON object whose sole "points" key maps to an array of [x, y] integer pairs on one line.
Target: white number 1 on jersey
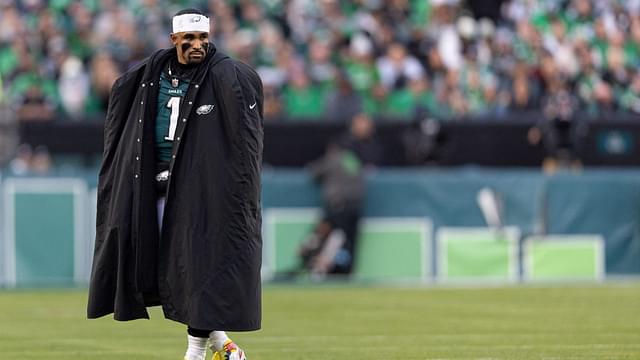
{"points": [[174, 105]]}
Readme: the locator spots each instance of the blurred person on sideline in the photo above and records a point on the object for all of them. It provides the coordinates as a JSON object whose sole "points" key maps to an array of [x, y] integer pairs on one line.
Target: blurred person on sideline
{"points": [[331, 246], [178, 218], [361, 139]]}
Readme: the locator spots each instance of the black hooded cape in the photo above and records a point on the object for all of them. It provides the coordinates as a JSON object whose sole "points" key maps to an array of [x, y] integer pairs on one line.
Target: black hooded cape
{"points": [[204, 267]]}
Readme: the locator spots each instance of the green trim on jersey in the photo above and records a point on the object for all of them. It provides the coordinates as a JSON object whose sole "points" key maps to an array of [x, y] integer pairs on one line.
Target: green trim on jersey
{"points": [[166, 105]]}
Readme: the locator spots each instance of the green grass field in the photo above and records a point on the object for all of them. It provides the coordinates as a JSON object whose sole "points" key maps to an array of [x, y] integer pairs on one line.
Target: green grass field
{"points": [[355, 323]]}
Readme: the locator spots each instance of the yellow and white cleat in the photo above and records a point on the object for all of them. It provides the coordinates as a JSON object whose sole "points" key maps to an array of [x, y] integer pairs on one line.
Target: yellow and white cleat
{"points": [[230, 351]]}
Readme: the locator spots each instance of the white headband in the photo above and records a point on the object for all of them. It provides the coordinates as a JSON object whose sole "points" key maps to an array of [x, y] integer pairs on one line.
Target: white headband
{"points": [[190, 22]]}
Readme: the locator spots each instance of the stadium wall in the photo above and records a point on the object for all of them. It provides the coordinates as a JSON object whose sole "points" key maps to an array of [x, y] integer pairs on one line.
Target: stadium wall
{"points": [[485, 142], [47, 223]]}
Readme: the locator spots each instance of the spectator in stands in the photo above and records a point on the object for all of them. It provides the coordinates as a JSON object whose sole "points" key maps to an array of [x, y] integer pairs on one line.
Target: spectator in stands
{"points": [[73, 87], [455, 104], [21, 163], [343, 103], [28, 161], [446, 36], [272, 102], [397, 68], [561, 48], [35, 105], [273, 56], [630, 97], [559, 131], [524, 87], [320, 67], [605, 105], [41, 162], [360, 68], [303, 99], [104, 72], [411, 102]]}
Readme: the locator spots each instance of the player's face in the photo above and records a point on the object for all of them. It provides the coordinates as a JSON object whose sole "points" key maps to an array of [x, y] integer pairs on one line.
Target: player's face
{"points": [[191, 46]]}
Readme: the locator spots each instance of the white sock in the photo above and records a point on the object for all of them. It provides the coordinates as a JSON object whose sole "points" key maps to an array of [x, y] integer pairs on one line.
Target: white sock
{"points": [[197, 349], [218, 338]]}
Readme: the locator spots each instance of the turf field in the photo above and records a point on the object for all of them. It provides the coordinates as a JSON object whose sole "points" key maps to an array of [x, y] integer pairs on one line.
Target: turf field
{"points": [[336, 322]]}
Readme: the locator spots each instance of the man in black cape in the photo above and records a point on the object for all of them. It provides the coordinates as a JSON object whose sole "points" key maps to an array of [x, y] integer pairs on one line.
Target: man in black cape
{"points": [[178, 219]]}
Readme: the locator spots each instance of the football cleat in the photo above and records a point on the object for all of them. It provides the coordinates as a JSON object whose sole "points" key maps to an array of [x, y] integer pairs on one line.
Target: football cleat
{"points": [[230, 351]]}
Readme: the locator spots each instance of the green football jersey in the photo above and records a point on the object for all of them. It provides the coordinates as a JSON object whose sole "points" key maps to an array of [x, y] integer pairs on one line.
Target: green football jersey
{"points": [[171, 93]]}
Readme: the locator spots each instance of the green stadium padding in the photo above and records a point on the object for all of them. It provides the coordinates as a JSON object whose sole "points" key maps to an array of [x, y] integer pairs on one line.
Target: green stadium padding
{"points": [[477, 254], [91, 232], [388, 248], [564, 257], [44, 232], [284, 231], [394, 248], [3, 245]]}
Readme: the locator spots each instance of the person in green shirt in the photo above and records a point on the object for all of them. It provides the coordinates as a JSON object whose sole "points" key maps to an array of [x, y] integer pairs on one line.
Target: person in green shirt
{"points": [[302, 99]]}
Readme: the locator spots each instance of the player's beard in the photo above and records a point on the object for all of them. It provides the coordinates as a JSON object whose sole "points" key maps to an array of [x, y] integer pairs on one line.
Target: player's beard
{"points": [[195, 57]]}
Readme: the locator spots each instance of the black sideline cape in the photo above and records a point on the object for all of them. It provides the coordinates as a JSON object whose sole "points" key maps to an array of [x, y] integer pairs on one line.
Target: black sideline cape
{"points": [[204, 268]]}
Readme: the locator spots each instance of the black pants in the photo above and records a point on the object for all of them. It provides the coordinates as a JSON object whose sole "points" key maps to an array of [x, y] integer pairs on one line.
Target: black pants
{"points": [[342, 216], [198, 332], [345, 218]]}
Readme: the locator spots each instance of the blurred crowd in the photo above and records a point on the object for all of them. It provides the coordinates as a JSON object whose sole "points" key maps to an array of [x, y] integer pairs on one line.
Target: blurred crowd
{"points": [[329, 59]]}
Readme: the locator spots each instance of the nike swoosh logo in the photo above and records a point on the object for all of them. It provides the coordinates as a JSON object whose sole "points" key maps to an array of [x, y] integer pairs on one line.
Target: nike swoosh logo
{"points": [[252, 106]]}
